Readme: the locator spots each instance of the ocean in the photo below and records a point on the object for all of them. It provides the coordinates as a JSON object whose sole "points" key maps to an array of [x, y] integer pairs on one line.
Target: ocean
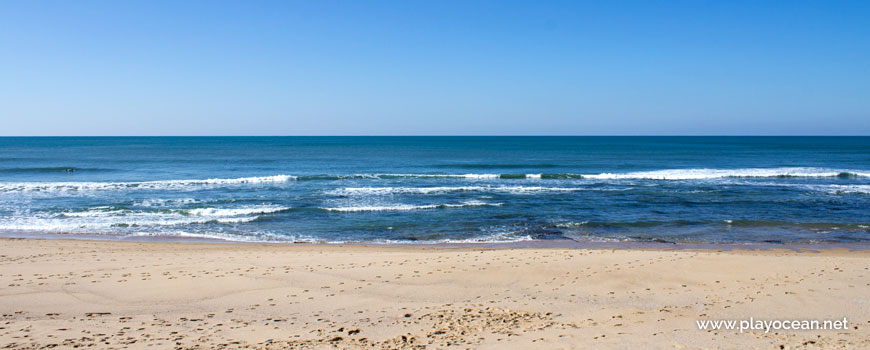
{"points": [[440, 189]]}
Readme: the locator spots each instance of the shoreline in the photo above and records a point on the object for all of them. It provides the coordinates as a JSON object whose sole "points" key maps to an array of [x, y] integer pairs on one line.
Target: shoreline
{"points": [[522, 244], [117, 294]]}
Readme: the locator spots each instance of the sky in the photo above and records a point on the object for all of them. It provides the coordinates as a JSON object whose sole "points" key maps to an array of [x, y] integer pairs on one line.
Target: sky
{"points": [[434, 67]]}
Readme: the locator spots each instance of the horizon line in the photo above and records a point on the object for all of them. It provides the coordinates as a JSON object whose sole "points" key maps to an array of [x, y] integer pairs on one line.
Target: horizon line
{"points": [[479, 135]]}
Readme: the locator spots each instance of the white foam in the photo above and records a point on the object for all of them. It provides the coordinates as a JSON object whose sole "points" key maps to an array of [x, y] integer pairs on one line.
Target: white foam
{"points": [[235, 211], [210, 212], [103, 219], [847, 188], [94, 213], [836, 189], [408, 207], [157, 202], [382, 208], [665, 174], [457, 176], [670, 174], [700, 174], [423, 176], [481, 176], [529, 189], [146, 185], [827, 188], [107, 224], [446, 189], [502, 237], [571, 224]]}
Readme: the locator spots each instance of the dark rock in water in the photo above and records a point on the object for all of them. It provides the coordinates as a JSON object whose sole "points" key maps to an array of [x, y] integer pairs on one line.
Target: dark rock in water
{"points": [[847, 175], [546, 233], [652, 240]]}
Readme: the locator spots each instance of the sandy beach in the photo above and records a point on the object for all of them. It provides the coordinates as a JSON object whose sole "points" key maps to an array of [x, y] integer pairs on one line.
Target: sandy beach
{"points": [[101, 294]]}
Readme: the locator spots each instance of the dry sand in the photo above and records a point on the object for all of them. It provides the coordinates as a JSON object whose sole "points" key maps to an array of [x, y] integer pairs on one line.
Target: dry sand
{"points": [[159, 295]]}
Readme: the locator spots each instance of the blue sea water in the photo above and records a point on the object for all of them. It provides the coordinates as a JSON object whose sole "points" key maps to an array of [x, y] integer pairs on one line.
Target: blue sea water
{"points": [[441, 189]]}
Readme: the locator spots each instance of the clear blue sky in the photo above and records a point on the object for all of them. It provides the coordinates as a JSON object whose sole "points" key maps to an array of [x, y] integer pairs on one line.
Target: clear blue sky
{"points": [[434, 67]]}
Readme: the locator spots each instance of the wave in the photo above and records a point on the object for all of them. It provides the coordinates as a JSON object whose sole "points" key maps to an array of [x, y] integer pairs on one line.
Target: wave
{"points": [[701, 174], [267, 237], [159, 202], [104, 211], [815, 226], [446, 189], [111, 223], [666, 174], [496, 166], [836, 189], [324, 177], [570, 224], [105, 218], [845, 189], [408, 207], [145, 185], [235, 211], [418, 176], [491, 238]]}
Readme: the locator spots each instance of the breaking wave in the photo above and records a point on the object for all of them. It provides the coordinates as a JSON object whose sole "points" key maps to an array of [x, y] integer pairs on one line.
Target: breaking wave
{"points": [[101, 219], [408, 207], [146, 185], [699, 174], [447, 189], [666, 174]]}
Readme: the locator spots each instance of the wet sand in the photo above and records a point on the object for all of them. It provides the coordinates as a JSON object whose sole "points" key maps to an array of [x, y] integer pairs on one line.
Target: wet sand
{"points": [[109, 294]]}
